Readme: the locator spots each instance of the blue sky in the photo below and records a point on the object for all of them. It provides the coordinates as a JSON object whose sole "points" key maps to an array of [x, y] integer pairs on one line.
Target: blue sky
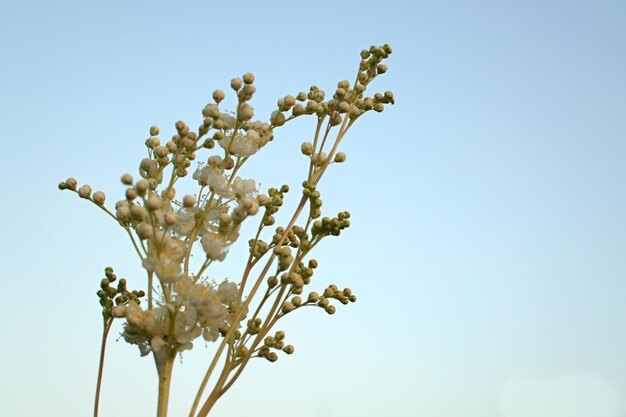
{"points": [[488, 205]]}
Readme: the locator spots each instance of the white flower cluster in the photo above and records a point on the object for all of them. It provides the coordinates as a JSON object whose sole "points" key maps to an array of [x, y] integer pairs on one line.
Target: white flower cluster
{"points": [[201, 309]]}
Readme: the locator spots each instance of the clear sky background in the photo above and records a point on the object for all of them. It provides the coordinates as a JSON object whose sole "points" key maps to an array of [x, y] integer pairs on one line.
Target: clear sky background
{"points": [[488, 238]]}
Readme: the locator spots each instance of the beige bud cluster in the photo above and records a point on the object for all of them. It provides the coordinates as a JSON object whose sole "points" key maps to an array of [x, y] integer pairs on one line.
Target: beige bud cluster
{"points": [[276, 343], [113, 299]]}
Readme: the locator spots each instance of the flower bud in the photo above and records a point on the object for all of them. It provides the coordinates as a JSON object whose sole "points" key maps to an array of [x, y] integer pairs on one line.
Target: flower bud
{"points": [[262, 200], [336, 119], [236, 84], [153, 203], [170, 218], [311, 106], [313, 297], [212, 111], [340, 157], [122, 213], [277, 118], [71, 183], [142, 186], [298, 110], [272, 281], [218, 96], [248, 78], [131, 193], [144, 231], [84, 191], [189, 201], [154, 130], [287, 307], [99, 197], [289, 349], [137, 212], [250, 205], [246, 112]]}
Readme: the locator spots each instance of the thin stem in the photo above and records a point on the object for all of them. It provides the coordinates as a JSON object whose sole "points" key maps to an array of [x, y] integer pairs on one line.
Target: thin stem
{"points": [[105, 333], [165, 365], [239, 315]]}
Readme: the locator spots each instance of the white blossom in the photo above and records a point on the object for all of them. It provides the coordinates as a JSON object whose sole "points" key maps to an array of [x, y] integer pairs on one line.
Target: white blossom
{"points": [[239, 145]]}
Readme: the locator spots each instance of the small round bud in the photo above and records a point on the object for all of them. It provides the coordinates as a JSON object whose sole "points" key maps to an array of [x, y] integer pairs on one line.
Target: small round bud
{"points": [[99, 197], [319, 158], [84, 191], [127, 179], [142, 186], [272, 281], [336, 119], [153, 203], [262, 200], [313, 297], [306, 148], [298, 110], [248, 78], [289, 101], [323, 302], [189, 200], [131, 193], [137, 212], [250, 205], [277, 118], [287, 307], [330, 309], [340, 157], [289, 349], [71, 183], [272, 357], [154, 130], [247, 92], [160, 151], [236, 84], [311, 106], [211, 111], [218, 96], [279, 335], [246, 112], [144, 231], [170, 218], [209, 143], [296, 301]]}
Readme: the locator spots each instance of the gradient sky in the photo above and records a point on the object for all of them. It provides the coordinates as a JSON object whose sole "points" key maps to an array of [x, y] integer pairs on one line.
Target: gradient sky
{"points": [[488, 238]]}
